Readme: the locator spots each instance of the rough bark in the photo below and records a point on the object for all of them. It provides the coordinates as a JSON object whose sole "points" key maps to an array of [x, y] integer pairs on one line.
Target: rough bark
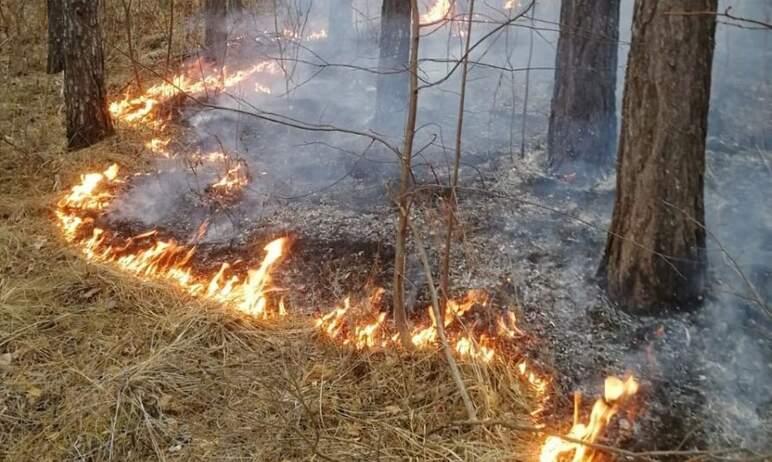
{"points": [[392, 83], [582, 128], [235, 6], [215, 31], [655, 253], [55, 36], [88, 120]]}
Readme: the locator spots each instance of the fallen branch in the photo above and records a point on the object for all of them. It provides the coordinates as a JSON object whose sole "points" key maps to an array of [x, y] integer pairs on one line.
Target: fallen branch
{"points": [[437, 318]]}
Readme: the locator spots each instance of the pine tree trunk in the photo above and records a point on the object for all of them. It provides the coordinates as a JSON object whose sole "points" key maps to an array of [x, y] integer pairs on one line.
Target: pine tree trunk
{"points": [[235, 6], [392, 83], [55, 36], [655, 254], [215, 31], [88, 120], [582, 128]]}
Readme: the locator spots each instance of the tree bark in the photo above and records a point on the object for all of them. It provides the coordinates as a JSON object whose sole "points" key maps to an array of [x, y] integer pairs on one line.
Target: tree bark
{"points": [[236, 6], [582, 131], [215, 31], [392, 82], [85, 97], [655, 253], [55, 36], [405, 177]]}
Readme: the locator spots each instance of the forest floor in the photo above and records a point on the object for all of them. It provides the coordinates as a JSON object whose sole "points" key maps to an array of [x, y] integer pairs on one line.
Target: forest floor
{"points": [[97, 364]]}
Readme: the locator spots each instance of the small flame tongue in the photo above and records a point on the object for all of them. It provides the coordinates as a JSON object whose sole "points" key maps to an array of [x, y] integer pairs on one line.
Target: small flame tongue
{"points": [[615, 388], [440, 9], [615, 392]]}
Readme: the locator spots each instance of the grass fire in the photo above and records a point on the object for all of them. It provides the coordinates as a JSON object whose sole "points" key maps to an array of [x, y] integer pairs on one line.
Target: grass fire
{"points": [[344, 230]]}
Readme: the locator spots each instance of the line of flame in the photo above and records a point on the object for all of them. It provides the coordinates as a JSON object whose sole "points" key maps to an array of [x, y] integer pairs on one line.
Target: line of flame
{"points": [[148, 256]]}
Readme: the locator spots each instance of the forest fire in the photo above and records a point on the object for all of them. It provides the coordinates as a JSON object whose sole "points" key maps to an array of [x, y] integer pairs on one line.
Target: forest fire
{"points": [[343, 324], [206, 79], [146, 255], [232, 183], [291, 34], [616, 392], [149, 256], [362, 326]]}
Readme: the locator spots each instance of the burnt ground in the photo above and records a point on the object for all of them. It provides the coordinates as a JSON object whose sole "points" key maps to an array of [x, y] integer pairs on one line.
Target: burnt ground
{"points": [[533, 241], [706, 373], [538, 240]]}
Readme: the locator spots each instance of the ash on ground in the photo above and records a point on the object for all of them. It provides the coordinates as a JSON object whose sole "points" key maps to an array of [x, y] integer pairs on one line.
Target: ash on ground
{"points": [[706, 374]]}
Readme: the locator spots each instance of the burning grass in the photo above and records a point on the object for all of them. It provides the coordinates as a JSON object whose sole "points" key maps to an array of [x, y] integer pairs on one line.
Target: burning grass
{"points": [[101, 364], [98, 364]]}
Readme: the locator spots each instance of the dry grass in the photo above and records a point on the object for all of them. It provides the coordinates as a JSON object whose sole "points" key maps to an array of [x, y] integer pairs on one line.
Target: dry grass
{"points": [[98, 365]]}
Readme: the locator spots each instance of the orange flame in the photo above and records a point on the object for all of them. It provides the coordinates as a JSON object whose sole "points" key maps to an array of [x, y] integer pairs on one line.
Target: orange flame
{"points": [[440, 10], [148, 256], [234, 181], [616, 391], [139, 109], [86, 195]]}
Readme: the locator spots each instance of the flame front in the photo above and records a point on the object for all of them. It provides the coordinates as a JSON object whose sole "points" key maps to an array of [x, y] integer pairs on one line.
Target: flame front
{"points": [[361, 328], [148, 256], [232, 183], [136, 110], [250, 290]]}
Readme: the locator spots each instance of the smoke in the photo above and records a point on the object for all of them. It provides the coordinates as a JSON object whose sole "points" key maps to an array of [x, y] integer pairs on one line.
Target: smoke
{"points": [[311, 76], [331, 171]]}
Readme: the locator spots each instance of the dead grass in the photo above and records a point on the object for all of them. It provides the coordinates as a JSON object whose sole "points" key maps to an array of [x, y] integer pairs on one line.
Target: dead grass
{"points": [[98, 365]]}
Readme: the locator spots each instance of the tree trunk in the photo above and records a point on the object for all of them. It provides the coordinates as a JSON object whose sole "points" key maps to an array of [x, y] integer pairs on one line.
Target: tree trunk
{"points": [[392, 83], [55, 36], [582, 128], [655, 253], [236, 6], [88, 120], [405, 176], [215, 31], [341, 23]]}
